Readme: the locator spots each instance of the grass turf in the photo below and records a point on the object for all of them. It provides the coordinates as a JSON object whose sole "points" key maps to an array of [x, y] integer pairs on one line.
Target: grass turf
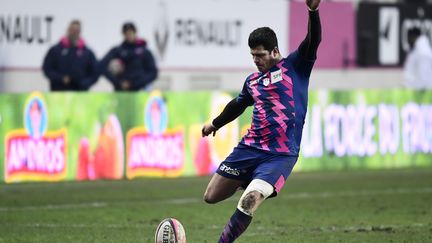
{"points": [[355, 206]]}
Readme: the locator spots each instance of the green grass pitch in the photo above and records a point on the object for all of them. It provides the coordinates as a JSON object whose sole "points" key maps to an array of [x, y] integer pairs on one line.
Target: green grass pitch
{"points": [[355, 206]]}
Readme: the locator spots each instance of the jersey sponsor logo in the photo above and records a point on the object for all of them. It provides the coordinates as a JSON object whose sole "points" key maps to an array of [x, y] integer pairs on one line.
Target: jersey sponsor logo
{"points": [[276, 76], [229, 170]]}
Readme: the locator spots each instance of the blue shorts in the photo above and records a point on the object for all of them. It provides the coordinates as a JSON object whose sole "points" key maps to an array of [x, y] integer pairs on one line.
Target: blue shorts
{"points": [[247, 163]]}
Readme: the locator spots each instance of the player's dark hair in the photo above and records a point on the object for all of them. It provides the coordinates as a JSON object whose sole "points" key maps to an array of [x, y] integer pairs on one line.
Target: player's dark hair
{"points": [[263, 36]]}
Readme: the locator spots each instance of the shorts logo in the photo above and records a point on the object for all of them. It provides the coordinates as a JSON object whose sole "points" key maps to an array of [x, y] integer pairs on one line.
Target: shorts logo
{"points": [[229, 170]]}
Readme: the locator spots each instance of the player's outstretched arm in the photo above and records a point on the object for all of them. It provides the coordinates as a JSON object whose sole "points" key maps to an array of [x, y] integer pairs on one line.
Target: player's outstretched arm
{"points": [[309, 45], [232, 110]]}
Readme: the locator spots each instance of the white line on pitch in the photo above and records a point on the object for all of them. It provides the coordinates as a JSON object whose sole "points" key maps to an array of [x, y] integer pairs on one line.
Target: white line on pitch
{"points": [[258, 229], [56, 206], [48, 225], [302, 195], [182, 201]]}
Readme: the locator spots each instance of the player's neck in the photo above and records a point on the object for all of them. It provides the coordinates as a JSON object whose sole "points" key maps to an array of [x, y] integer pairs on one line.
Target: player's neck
{"points": [[276, 60]]}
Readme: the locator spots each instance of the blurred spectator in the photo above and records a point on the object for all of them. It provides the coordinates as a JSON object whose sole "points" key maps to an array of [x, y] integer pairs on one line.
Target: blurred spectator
{"points": [[130, 66], [70, 65], [418, 64]]}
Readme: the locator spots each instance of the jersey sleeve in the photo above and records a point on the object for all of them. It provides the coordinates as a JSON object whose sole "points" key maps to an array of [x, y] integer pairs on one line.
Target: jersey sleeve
{"points": [[234, 108], [309, 46], [300, 64], [244, 96], [304, 57]]}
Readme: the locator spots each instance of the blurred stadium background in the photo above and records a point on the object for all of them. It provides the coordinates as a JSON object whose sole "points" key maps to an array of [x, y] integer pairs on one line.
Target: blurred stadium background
{"points": [[364, 175]]}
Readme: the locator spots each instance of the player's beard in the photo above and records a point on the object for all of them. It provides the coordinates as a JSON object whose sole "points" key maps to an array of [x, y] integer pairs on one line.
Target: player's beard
{"points": [[260, 68], [267, 66]]}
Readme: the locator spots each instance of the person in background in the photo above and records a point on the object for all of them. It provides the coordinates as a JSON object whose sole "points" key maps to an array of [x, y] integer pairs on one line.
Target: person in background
{"points": [[418, 63], [70, 65], [130, 66]]}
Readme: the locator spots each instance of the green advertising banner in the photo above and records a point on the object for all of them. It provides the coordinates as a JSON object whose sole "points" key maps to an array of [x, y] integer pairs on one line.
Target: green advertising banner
{"points": [[370, 129], [87, 136]]}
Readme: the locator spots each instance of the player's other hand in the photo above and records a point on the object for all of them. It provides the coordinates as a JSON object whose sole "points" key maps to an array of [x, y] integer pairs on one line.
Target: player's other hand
{"points": [[208, 129], [313, 4]]}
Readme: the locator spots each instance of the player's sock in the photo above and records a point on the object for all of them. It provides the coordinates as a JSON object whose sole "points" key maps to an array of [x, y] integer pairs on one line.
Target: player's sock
{"points": [[235, 227]]}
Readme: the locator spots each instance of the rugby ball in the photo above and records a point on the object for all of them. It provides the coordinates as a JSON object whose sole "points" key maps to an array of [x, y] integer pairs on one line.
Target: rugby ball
{"points": [[170, 230]]}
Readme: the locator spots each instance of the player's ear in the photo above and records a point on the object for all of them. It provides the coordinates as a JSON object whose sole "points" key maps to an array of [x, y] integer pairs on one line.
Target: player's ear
{"points": [[275, 52]]}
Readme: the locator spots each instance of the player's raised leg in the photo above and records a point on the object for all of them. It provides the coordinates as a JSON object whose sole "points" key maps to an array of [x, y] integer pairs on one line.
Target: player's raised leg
{"points": [[256, 192], [221, 188]]}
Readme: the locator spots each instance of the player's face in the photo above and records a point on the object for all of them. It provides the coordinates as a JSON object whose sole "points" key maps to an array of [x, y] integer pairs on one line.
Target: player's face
{"points": [[264, 59]]}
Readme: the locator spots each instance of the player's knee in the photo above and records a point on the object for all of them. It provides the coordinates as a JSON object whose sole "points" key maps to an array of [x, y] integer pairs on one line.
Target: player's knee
{"points": [[209, 198], [255, 193], [249, 201]]}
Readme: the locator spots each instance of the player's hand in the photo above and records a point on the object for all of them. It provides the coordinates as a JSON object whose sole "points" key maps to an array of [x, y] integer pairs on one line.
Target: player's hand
{"points": [[313, 4], [208, 129]]}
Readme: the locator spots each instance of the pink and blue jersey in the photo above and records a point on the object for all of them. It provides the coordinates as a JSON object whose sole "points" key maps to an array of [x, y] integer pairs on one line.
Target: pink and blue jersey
{"points": [[280, 99]]}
